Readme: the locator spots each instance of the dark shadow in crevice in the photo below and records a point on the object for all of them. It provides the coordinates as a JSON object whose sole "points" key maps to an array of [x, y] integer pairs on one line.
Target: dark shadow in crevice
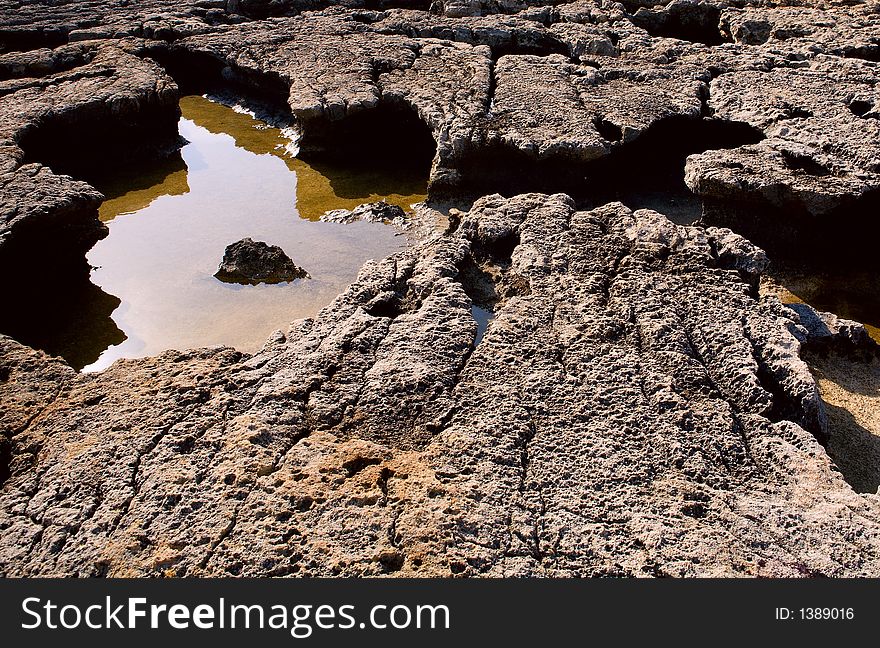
{"points": [[785, 408], [389, 141], [261, 9], [387, 305], [697, 23], [859, 107], [647, 172], [14, 39], [86, 143], [355, 465], [197, 72], [64, 315], [805, 163], [865, 53], [838, 241], [541, 45], [416, 5], [51, 304]]}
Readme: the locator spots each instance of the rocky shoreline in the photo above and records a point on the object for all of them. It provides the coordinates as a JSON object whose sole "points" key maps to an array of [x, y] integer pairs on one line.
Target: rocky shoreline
{"points": [[635, 407]]}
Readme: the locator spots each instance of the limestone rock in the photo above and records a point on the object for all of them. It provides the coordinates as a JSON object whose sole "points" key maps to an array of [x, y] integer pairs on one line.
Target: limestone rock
{"points": [[376, 212], [631, 410], [253, 262]]}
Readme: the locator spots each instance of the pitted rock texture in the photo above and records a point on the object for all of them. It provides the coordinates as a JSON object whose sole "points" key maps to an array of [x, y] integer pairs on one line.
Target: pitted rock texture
{"points": [[631, 410], [548, 85], [253, 262]]}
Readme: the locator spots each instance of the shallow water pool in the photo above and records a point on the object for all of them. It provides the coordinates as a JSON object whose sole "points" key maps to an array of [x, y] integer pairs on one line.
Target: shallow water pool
{"points": [[170, 224]]}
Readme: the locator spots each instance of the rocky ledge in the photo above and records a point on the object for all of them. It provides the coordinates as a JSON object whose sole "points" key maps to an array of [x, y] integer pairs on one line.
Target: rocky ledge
{"points": [[632, 408], [777, 105]]}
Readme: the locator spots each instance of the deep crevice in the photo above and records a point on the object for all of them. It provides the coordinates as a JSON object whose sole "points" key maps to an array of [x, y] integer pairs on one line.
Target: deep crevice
{"points": [[697, 23], [544, 45], [833, 241], [353, 466], [646, 172], [808, 165], [387, 136], [197, 72], [23, 40], [865, 53], [785, 408], [86, 142], [862, 108], [608, 130]]}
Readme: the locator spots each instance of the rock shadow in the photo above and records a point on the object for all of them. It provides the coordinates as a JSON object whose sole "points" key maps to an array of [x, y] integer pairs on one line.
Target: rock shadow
{"points": [[647, 172], [837, 240], [389, 144], [63, 316], [854, 450], [697, 23]]}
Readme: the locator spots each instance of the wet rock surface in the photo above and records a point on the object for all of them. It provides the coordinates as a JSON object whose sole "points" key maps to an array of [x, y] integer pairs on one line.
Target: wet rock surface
{"points": [[632, 408], [252, 262]]}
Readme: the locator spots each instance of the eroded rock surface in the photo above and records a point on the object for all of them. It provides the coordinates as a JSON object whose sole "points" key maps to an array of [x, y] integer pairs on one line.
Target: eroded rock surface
{"points": [[632, 409], [548, 91], [253, 262], [115, 106]]}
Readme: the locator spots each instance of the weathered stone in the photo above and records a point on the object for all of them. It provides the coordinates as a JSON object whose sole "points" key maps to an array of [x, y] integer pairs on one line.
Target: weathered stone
{"points": [[615, 419], [253, 262], [632, 408], [815, 175], [377, 212], [113, 108]]}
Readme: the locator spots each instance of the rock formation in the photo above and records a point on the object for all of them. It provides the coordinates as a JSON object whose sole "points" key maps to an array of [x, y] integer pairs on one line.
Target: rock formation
{"points": [[632, 409], [377, 212], [253, 262], [634, 406]]}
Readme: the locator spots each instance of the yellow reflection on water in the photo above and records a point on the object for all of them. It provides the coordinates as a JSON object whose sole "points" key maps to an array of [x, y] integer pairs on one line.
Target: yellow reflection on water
{"points": [[124, 195], [319, 187], [233, 179]]}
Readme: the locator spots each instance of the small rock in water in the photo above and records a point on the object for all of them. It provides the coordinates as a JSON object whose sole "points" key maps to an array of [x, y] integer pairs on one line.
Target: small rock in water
{"points": [[252, 262], [375, 212]]}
